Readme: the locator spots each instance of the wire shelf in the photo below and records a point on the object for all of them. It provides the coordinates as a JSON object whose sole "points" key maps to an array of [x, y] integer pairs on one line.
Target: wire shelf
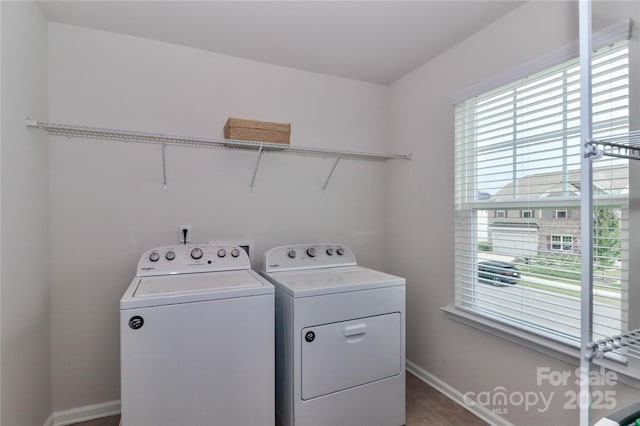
{"points": [[69, 130], [624, 346], [164, 140], [625, 145], [598, 348]]}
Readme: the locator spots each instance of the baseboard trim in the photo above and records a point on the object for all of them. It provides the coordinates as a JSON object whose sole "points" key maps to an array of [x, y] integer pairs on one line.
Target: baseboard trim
{"points": [[83, 414], [456, 396], [111, 408]]}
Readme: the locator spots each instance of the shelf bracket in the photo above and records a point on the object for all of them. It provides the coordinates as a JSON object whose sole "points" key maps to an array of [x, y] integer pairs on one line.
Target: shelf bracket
{"points": [[30, 122], [331, 172], [592, 150], [164, 163], [255, 168]]}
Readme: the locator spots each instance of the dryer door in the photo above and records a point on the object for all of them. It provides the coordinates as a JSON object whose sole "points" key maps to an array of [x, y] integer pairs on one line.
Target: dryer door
{"points": [[346, 354]]}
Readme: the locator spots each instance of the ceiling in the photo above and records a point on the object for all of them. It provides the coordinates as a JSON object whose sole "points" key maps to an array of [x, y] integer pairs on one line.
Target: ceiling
{"points": [[375, 41]]}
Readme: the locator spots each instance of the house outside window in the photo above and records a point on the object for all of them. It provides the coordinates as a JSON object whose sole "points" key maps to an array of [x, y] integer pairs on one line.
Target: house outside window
{"points": [[519, 146]]}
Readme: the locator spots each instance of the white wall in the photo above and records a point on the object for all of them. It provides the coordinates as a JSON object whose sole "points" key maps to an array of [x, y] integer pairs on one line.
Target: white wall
{"points": [[106, 198], [422, 122], [107, 204], [25, 384]]}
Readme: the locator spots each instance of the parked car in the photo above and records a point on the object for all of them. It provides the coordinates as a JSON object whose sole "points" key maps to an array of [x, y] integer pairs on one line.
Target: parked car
{"points": [[498, 273]]}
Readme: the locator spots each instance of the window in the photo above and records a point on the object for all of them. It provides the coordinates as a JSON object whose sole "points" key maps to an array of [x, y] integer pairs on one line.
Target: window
{"points": [[562, 242], [518, 147]]}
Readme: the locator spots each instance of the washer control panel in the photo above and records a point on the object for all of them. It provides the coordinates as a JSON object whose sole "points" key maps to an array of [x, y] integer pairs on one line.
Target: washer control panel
{"points": [[192, 258], [307, 256]]}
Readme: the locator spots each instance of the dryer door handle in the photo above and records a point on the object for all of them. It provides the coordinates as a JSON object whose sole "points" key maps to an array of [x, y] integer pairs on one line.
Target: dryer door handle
{"points": [[355, 329]]}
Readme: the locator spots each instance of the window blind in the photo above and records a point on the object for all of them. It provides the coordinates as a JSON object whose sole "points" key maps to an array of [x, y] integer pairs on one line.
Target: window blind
{"points": [[601, 38], [517, 186]]}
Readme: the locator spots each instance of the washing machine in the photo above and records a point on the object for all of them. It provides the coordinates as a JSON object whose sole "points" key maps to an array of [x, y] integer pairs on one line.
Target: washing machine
{"points": [[340, 338], [197, 340]]}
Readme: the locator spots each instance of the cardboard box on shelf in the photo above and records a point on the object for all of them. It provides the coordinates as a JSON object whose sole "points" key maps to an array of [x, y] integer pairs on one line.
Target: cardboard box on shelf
{"points": [[259, 131]]}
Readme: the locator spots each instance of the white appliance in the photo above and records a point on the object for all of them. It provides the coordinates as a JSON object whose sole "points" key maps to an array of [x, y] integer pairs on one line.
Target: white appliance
{"points": [[626, 416], [340, 338], [197, 340]]}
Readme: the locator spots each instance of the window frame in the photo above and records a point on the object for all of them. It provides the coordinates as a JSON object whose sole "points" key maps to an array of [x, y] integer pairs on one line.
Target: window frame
{"points": [[559, 203], [561, 243]]}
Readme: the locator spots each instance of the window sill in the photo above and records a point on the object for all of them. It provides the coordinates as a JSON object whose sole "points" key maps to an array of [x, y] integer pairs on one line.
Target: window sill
{"points": [[543, 345]]}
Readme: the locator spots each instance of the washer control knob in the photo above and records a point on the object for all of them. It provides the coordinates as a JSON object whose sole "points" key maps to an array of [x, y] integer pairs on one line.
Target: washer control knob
{"points": [[170, 255], [340, 251], [311, 251], [235, 252], [197, 253], [154, 256], [330, 251], [222, 253], [292, 254]]}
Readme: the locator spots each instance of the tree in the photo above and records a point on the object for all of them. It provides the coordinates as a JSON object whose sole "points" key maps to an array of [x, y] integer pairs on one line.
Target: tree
{"points": [[606, 236]]}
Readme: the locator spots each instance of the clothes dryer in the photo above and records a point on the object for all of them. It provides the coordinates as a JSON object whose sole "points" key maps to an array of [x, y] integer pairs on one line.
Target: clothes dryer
{"points": [[340, 338], [197, 340]]}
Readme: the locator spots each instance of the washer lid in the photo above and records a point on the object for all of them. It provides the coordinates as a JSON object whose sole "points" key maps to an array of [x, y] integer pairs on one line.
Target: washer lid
{"points": [[185, 288], [316, 282]]}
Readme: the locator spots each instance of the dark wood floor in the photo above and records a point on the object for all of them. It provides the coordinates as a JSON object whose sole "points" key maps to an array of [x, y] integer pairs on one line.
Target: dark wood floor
{"points": [[425, 406], [104, 421]]}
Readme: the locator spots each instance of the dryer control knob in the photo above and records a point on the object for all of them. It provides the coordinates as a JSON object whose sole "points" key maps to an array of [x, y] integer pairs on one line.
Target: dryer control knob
{"points": [[197, 253], [170, 255], [235, 252], [222, 253], [154, 256], [340, 251], [292, 254], [311, 251], [330, 251]]}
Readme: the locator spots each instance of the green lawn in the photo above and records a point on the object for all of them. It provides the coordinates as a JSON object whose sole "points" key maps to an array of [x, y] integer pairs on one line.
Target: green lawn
{"points": [[568, 292], [566, 270]]}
